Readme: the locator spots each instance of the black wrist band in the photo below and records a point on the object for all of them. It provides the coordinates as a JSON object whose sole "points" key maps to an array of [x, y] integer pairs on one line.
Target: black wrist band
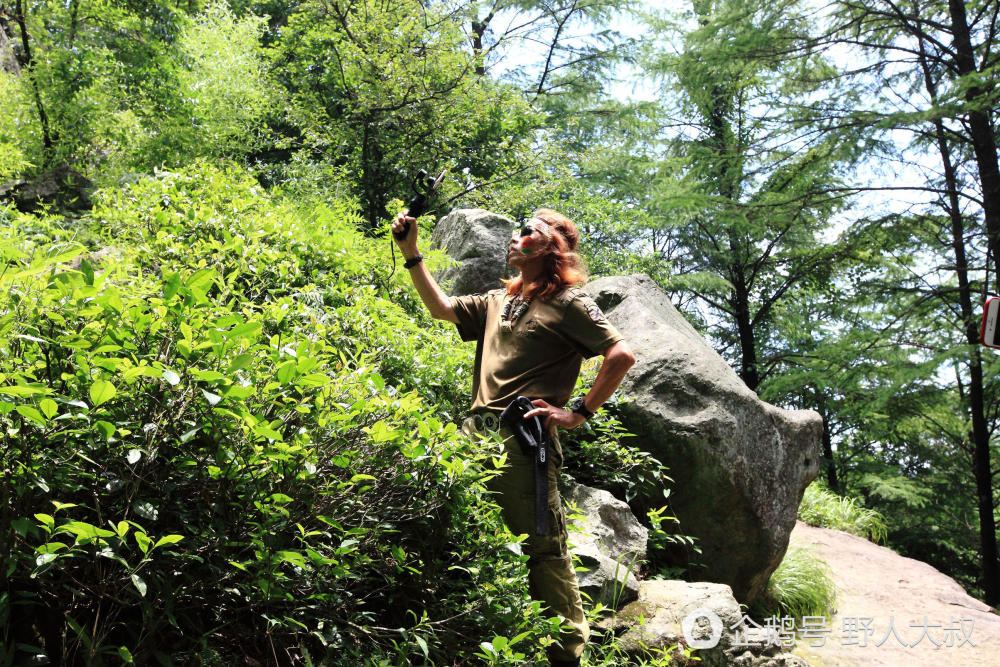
{"points": [[580, 408], [413, 261]]}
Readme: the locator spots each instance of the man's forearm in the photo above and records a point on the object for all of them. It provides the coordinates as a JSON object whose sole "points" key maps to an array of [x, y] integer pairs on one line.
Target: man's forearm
{"points": [[434, 298], [618, 359]]}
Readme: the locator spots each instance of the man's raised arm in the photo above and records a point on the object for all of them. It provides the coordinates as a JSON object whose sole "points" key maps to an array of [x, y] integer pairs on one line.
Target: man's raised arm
{"points": [[437, 302]]}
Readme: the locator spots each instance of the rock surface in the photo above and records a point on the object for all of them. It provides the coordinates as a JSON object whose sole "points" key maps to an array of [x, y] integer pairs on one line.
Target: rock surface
{"points": [[739, 465], [62, 187], [700, 615], [610, 542], [477, 240], [877, 584]]}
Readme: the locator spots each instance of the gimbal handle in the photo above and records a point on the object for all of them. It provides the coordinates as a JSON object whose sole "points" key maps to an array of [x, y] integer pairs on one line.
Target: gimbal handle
{"points": [[418, 203]]}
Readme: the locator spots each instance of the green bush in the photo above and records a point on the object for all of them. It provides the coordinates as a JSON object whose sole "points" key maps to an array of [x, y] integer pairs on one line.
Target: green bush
{"points": [[821, 507], [597, 454], [217, 446]]}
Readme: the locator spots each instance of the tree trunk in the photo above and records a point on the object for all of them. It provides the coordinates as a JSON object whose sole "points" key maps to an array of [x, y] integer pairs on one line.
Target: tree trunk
{"points": [[970, 326], [983, 140], [828, 462], [748, 342], [28, 65]]}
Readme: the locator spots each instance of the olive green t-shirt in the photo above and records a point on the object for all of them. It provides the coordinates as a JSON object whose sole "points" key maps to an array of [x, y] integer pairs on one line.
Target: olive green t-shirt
{"points": [[540, 357]]}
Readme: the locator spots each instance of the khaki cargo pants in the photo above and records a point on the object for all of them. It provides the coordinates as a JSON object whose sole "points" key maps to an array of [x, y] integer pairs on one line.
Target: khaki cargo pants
{"points": [[551, 577]]}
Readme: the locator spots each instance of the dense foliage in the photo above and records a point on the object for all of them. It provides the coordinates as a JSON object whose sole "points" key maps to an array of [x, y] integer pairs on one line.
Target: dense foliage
{"points": [[217, 370], [220, 443]]}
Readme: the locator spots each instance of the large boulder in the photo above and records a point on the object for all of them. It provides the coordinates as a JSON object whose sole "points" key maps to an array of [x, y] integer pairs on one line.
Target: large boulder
{"points": [[739, 465], [477, 240], [699, 615], [610, 543]]}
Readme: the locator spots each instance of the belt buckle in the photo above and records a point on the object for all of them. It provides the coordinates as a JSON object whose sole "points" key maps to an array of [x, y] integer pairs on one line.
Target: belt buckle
{"points": [[490, 421]]}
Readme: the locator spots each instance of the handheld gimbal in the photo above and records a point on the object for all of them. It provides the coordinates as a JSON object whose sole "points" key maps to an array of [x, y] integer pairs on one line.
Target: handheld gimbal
{"points": [[424, 186]]}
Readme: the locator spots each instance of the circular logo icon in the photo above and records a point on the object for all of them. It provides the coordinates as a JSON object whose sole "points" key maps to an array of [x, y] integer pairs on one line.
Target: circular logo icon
{"points": [[491, 421], [688, 628]]}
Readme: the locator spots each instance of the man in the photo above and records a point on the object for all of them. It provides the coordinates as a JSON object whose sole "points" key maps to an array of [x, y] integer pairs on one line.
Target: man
{"points": [[531, 337]]}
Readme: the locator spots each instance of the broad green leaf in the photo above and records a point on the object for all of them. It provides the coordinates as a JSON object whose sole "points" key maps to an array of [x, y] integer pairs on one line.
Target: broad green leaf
{"points": [[107, 429], [168, 539], [140, 585], [23, 390], [42, 559], [133, 456], [101, 392], [293, 557], [31, 413], [171, 378], [84, 530], [208, 376], [286, 372], [248, 330], [147, 371], [49, 407], [142, 540], [240, 362], [87, 270], [264, 430], [171, 284]]}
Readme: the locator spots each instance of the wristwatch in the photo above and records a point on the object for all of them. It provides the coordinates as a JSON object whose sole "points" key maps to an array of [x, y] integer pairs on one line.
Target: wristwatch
{"points": [[580, 408], [413, 261]]}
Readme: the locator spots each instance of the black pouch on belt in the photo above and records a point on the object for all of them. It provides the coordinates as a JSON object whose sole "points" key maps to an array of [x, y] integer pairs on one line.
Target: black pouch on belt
{"points": [[531, 436]]}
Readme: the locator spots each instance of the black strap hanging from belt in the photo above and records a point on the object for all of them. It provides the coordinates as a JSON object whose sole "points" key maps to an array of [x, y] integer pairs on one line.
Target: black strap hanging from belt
{"points": [[531, 436]]}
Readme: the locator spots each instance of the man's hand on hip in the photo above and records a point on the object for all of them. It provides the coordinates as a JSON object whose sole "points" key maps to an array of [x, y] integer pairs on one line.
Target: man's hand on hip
{"points": [[553, 417]]}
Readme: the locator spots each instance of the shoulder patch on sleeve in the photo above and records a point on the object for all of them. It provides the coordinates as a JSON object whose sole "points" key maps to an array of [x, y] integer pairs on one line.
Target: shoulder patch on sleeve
{"points": [[595, 312]]}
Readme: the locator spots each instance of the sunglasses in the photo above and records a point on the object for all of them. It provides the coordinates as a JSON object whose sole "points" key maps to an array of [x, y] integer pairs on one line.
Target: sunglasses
{"points": [[528, 227]]}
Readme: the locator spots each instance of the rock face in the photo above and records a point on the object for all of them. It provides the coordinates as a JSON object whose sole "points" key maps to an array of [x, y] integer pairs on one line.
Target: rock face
{"points": [[609, 542], [739, 465], [62, 186], [701, 615], [477, 239]]}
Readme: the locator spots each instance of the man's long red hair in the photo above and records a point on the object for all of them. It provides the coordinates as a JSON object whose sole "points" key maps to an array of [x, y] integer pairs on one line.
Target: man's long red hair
{"points": [[563, 267]]}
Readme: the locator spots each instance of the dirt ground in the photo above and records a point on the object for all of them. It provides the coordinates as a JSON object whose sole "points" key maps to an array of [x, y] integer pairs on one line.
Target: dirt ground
{"points": [[898, 593]]}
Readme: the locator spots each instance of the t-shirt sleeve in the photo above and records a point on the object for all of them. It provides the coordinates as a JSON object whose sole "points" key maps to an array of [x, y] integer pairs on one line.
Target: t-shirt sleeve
{"points": [[587, 327], [471, 313]]}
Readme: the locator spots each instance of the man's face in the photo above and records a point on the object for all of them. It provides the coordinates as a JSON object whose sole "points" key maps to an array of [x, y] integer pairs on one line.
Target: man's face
{"points": [[528, 241]]}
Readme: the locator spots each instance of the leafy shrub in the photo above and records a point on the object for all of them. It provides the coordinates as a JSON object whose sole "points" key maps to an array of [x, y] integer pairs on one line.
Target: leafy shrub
{"points": [[205, 457], [821, 507]]}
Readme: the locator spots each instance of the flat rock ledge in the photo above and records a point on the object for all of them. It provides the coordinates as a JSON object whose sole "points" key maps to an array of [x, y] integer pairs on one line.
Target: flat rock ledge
{"points": [[701, 615]]}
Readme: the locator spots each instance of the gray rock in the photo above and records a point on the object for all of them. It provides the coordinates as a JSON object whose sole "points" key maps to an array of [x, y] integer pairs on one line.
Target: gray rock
{"points": [[477, 240], [609, 542], [682, 613], [62, 187], [739, 465], [8, 59]]}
